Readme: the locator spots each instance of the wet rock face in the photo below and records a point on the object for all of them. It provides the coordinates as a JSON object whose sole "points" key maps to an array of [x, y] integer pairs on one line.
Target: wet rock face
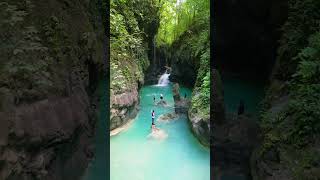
{"points": [[200, 127], [181, 105], [183, 72], [233, 143], [157, 65], [233, 138], [167, 117], [176, 93], [162, 103], [46, 136], [123, 108], [54, 58]]}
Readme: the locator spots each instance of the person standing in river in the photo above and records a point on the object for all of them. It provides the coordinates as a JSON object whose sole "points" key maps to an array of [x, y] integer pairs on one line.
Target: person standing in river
{"points": [[161, 97], [152, 115], [154, 98]]}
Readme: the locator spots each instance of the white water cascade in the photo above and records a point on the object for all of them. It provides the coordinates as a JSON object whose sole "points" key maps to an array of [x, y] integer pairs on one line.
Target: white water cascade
{"points": [[164, 79]]}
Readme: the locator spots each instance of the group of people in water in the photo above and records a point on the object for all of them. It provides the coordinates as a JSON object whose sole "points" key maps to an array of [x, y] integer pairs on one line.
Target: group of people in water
{"points": [[153, 126], [154, 98]]}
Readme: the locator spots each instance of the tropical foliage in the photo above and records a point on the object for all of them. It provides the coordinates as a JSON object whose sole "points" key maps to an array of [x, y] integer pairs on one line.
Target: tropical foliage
{"points": [[178, 15], [130, 31], [300, 67], [185, 27], [182, 27], [296, 127]]}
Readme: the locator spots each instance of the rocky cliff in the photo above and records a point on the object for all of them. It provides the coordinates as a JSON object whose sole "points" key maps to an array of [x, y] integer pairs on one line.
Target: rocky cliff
{"points": [[131, 53], [199, 111], [290, 118], [181, 105], [279, 41], [189, 59], [51, 61], [233, 138]]}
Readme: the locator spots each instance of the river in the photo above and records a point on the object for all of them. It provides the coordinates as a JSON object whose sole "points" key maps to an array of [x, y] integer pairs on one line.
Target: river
{"points": [[135, 156]]}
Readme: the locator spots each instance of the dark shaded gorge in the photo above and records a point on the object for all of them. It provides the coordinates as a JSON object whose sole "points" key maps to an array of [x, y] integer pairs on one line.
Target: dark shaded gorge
{"points": [[246, 35]]}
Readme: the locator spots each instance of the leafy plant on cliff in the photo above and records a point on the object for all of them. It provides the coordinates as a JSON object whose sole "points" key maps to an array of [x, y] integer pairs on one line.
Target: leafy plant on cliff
{"points": [[201, 92], [303, 20], [297, 124], [178, 16], [305, 89], [299, 66], [129, 25], [184, 27]]}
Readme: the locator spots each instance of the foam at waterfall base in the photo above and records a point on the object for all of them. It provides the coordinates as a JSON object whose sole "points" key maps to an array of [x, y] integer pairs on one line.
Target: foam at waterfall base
{"points": [[164, 80]]}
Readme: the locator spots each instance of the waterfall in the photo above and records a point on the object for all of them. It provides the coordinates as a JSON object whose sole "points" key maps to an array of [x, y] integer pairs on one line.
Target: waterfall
{"points": [[164, 79]]}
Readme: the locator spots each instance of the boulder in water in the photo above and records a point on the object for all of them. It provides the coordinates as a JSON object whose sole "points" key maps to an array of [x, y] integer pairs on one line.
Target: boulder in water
{"points": [[175, 91], [167, 117], [124, 106], [162, 103], [181, 106]]}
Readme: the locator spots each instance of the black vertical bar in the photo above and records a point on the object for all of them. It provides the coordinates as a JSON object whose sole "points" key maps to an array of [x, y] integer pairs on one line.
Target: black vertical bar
{"points": [[212, 33], [106, 19]]}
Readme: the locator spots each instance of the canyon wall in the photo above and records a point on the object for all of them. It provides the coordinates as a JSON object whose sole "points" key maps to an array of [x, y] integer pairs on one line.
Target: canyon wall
{"points": [[51, 62]]}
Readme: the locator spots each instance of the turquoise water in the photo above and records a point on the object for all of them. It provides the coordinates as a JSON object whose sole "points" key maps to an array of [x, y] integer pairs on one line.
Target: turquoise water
{"points": [[98, 168], [134, 156], [250, 91]]}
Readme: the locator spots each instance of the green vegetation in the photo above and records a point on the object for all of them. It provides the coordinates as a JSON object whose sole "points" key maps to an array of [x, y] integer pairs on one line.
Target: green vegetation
{"points": [[186, 32], [178, 15], [300, 67], [296, 126], [130, 23], [176, 31], [184, 37], [40, 57], [201, 95], [181, 29]]}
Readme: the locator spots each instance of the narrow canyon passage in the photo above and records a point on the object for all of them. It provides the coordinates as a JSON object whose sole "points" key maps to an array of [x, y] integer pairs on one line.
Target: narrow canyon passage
{"points": [[149, 38]]}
